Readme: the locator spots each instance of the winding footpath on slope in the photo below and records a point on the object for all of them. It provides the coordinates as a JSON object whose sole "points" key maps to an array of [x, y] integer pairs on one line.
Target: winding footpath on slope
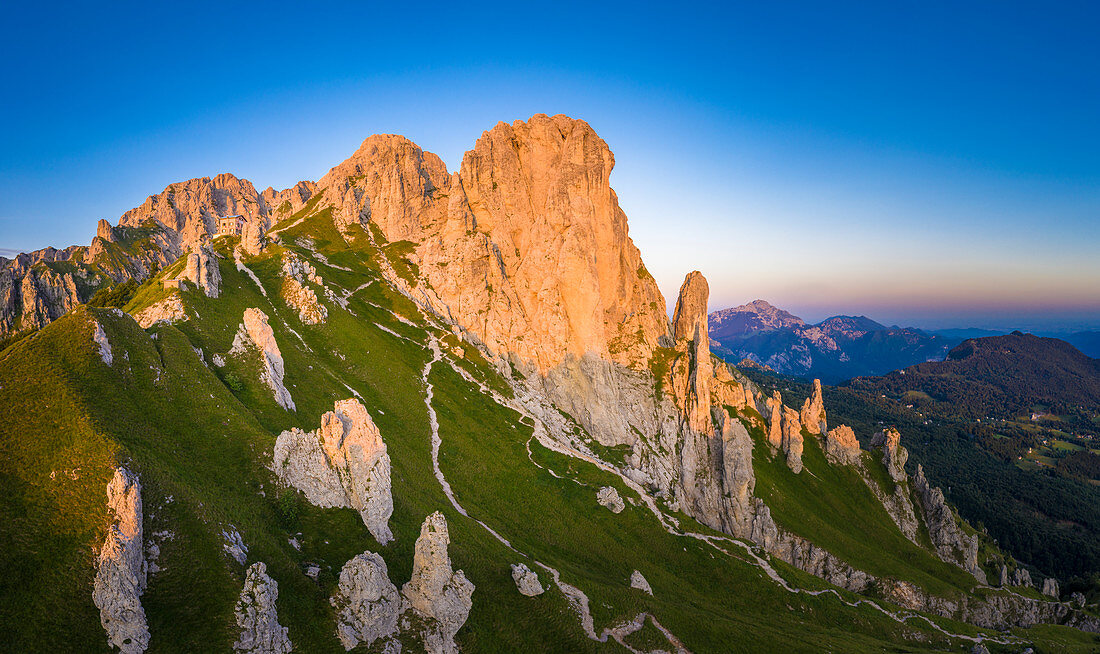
{"points": [[576, 597], [573, 595]]}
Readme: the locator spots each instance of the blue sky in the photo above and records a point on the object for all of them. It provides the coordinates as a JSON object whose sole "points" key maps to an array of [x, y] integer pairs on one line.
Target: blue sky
{"points": [[922, 163]]}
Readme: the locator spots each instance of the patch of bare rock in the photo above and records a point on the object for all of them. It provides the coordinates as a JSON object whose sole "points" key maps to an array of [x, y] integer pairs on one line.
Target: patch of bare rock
{"points": [[298, 295], [344, 463], [609, 496], [639, 582], [168, 310], [121, 571], [437, 598], [527, 580], [257, 616]]}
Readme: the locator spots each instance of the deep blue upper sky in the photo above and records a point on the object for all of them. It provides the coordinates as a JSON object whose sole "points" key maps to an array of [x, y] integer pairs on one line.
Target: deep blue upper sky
{"points": [[923, 163]]}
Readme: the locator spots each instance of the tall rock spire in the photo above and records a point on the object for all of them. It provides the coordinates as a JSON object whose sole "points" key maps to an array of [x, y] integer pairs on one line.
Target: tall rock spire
{"points": [[690, 324]]}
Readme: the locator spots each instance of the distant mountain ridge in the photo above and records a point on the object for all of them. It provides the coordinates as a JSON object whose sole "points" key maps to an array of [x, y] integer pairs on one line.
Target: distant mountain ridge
{"points": [[1000, 376], [836, 349]]}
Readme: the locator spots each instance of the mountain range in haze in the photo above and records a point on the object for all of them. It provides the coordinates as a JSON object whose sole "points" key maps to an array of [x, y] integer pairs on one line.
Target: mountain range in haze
{"points": [[840, 347]]}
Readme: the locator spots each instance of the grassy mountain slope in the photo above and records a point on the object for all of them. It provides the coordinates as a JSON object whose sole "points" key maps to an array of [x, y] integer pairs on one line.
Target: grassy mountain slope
{"points": [[201, 436]]}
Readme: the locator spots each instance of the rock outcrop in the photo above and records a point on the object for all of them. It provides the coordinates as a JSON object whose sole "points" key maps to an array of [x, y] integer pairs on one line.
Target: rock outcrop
{"points": [[257, 616], [367, 603], [639, 582], [791, 442], [608, 496], [841, 445], [202, 270], [1022, 577], [1050, 587], [435, 591], [100, 338], [342, 464], [168, 310], [813, 411], [297, 294], [256, 332], [689, 328], [894, 455], [526, 580], [952, 543], [121, 575]]}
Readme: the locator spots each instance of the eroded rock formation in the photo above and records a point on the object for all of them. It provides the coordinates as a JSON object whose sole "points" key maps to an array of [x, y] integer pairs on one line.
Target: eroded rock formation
{"points": [[257, 616], [342, 464], [121, 574], [100, 338], [894, 455], [813, 411], [256, 332], [435, 591], [841, 445], [202, 270], [689, 328], [168, 310], [952, 543], [297, 294], [367, 603]]}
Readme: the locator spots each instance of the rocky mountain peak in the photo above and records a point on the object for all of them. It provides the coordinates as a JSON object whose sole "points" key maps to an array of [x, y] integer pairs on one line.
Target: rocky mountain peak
{"points": [[746, 319]]}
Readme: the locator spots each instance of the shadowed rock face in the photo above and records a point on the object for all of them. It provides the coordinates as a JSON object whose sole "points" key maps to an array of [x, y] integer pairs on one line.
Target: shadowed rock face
{"points": [[342, 464], [255, 332], [367, 603], [435, 590], [952, 543], [257, 616]]}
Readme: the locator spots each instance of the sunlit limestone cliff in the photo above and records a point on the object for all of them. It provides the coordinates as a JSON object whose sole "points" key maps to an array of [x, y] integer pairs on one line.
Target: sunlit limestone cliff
{"points": [[407, 409]]}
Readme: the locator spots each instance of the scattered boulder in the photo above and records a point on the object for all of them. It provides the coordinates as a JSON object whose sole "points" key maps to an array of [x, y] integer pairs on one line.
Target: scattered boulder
{"points": [[639, 582], [609, 496], [367, 603], [979, 648], [894, 455], [435, 591], [841, 445], [527, 581], [121, 575], [813, 411], [100, 337], [255, 331], [257, 617], [342, 464]]}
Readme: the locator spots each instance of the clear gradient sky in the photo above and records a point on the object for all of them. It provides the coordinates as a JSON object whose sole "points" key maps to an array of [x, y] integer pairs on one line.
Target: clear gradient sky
{"points": [[930, 164]]}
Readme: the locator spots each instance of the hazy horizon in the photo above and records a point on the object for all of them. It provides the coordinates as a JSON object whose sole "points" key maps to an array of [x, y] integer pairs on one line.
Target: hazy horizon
{"points": [[939, 173]]}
